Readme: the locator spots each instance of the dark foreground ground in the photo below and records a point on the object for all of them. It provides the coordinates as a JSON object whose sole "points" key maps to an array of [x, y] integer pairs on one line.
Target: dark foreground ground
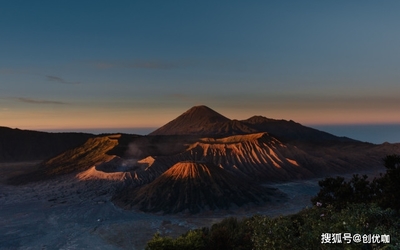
{"points": [[66, 213]]}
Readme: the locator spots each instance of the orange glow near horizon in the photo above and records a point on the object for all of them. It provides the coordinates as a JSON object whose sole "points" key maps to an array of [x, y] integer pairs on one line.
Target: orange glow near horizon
{"points": [[152, 118]]}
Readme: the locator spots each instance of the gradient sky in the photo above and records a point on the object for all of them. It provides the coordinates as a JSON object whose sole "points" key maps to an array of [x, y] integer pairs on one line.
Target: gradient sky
{"points": [[128, 64]]}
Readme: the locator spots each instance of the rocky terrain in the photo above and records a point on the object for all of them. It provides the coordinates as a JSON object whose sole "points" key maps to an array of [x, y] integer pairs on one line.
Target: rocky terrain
{"points": [[73, 212], [69, 191], [194, 187], [201, 120], [150, 173]]}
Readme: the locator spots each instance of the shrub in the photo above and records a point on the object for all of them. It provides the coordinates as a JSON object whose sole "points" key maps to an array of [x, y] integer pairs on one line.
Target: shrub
{"points": [[383, 190], [160, 243], [229, 234], [304, 230]]}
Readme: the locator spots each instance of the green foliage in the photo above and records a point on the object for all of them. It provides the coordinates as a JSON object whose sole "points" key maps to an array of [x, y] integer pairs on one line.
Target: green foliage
{"points": [[388, 186], [160, 243], [392, 162], [334, 191], [304, 230], [338, 192], [299, 231], [192, 240], [383, 190], [229, 234]]}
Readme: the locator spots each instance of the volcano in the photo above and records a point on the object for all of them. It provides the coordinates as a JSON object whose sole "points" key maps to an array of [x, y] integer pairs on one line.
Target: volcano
{"points": [[203, 160], [202, 120], [195, 186]]}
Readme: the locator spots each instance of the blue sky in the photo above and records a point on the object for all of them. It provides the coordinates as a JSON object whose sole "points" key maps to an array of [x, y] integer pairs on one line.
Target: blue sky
{"points": [[133, 64]]}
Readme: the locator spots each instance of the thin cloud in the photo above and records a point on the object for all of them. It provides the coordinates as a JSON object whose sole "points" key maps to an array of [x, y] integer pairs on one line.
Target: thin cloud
{"points": [[59, 80], [222, 64], [150, 64], [38, 101]]}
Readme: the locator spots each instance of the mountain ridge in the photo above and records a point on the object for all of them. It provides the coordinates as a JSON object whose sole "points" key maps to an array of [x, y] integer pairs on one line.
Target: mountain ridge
{"points": [[204, 121], [29, 145], [291, 131]]}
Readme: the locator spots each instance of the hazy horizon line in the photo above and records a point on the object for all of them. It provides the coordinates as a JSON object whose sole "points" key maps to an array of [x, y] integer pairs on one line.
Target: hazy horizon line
{"points": [[367, 132], [65, 129]]}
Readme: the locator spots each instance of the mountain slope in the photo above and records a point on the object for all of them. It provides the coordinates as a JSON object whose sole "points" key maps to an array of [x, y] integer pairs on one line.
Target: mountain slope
{"points": [[201, 120], [26, 145], [81, 158], [287, 131], [193, 186], [261, 157]]}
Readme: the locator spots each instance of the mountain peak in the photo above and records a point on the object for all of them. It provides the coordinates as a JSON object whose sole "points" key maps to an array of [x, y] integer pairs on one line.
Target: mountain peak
{"points": [[200, 107], [198, 120], [202, 111]]}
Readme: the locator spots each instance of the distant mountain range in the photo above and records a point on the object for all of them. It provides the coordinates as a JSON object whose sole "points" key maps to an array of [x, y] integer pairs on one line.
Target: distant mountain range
{"points": [[200, 160], [203, 121], [27, 145]]}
